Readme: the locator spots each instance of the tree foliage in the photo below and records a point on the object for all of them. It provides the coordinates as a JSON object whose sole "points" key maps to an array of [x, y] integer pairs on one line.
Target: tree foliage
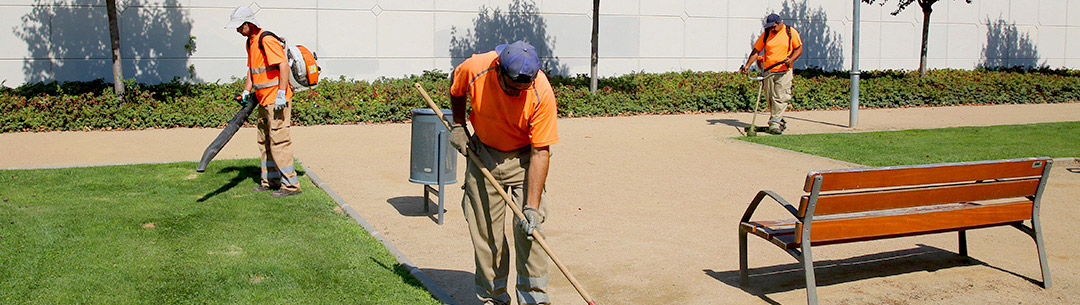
{"points": [[903, 4]]}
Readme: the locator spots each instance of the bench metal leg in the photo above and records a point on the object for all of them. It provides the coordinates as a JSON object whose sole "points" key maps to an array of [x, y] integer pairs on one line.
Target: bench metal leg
{"points": [[963, 243], [811, 283], [1040, 244], [744, 272]]}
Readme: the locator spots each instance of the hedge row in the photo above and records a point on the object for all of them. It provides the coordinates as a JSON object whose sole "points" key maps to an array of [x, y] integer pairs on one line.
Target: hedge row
{"points": [[92, 105]]}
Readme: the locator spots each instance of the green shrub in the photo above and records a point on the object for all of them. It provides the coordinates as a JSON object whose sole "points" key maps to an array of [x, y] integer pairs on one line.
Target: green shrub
{"points": [[92, 105]]}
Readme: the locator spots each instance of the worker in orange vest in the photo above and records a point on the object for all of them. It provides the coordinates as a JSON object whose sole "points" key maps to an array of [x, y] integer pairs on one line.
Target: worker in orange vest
{"points": [[515, 118], [776, 50], [266, 61]]}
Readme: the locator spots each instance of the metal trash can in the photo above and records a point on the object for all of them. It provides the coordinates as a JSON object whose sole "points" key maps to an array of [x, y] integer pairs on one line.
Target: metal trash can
{"points": [[428, 136], [432, 160]]}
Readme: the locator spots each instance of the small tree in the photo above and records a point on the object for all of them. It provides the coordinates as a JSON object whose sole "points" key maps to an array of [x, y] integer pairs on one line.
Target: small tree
{"points": [[926, 6], [114, 38]]}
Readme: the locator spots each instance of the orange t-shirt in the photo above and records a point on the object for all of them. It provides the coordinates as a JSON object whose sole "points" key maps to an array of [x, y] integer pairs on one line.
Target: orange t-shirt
{"points": [[275, 54], [501, 121], [778, 49]]}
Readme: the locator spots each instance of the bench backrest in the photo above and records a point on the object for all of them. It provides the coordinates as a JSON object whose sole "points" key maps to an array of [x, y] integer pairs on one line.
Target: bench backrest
{"points": [[881, 188], [1006, 190]]}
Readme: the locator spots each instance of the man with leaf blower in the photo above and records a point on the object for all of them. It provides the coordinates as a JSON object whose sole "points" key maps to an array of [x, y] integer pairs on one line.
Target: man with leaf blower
{"points": [[781, 45], [514, 116], [268, 75]]}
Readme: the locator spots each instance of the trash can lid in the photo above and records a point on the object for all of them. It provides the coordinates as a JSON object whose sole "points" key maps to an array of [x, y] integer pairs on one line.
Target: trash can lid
{"points": [[428, 111]]}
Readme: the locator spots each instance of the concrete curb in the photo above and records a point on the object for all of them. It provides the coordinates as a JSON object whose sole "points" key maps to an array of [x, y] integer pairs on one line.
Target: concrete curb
{"points": [[799, 153], [1060, 160], [433, 288], [92, 165]]}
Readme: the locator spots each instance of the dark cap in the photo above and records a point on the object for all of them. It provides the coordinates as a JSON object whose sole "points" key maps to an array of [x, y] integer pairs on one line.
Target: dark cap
{"points": [[519, 61], [771, 20]]}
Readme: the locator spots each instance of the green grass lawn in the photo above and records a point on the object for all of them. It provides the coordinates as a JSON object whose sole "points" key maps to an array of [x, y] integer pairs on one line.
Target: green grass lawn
{"points": [[923, 146], [163, 234]]}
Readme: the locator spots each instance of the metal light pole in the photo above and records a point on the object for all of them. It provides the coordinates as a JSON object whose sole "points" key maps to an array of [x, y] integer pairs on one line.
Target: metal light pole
{"points": [[595, 44], [853, 121]]}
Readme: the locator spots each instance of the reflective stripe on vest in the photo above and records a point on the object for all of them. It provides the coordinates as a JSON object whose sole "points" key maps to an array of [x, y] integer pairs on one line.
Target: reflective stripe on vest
{"points": [[263, 69], [266, 84]]}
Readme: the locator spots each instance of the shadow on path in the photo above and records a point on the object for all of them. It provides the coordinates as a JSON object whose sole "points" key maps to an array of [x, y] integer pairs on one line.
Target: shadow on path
{"points": [[413, 206], [788, 277], [814, 121], [455, 282]]}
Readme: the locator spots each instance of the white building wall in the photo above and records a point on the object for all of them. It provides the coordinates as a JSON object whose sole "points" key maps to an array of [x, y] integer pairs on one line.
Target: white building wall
{"points": [[365, 39]]}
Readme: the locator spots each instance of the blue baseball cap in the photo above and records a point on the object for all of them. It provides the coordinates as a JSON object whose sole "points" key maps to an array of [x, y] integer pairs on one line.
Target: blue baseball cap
{"points": [[519, 61], [771, 20]]}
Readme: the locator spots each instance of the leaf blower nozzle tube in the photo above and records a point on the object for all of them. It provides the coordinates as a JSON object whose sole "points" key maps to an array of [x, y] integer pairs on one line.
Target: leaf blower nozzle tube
{"points": [[226, 135]]}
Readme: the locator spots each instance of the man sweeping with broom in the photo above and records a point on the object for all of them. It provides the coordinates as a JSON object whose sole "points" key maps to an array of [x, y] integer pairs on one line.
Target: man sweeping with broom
{"points": [[514, 116]]}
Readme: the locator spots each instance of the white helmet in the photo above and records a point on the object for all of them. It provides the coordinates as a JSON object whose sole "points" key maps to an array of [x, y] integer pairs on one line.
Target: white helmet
{"points": [[239, 16]]}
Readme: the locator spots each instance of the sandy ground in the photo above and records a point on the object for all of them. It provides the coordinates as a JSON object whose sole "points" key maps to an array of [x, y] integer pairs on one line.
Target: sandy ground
{"points": [[644, 209]]}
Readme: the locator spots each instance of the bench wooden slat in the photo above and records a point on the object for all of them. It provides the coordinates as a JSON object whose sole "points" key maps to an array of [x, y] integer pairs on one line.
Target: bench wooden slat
{"points": [[833, 231], [857, 178], [924, 196]]}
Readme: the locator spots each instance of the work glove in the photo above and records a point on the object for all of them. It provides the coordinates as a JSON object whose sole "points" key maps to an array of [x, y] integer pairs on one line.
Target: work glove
{"points": [[532, 221], [459, 138], [280, 102], [242, 98]]}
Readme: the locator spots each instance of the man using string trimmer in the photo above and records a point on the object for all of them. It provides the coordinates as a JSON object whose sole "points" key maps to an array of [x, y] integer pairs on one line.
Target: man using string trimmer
{"points": [[781, 46]]}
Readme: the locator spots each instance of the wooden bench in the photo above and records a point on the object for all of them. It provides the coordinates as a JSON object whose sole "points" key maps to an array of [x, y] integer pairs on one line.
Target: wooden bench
{"points": [[860, 204]]}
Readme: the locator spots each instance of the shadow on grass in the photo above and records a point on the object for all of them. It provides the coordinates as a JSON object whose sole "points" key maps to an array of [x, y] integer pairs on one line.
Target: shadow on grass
{"points": [[242, 172], [456, 283], [788, 277], [413, 206]]}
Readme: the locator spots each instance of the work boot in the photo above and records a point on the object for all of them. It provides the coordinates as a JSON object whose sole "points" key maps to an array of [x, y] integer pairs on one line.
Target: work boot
{"points": [[284, 192], [775, 129], [262, 188]]}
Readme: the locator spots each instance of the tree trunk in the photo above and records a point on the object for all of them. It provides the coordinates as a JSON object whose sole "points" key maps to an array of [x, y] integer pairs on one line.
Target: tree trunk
{"points": [[114, 37], [595, 44], [925, 32]]}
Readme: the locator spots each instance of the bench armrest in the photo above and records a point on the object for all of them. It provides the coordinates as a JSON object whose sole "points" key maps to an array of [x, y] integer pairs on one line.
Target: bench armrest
{"points": [[761, 195]]}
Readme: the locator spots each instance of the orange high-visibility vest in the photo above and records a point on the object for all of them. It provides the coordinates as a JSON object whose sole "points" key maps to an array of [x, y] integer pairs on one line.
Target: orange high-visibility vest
{"points": [[263, 64]]}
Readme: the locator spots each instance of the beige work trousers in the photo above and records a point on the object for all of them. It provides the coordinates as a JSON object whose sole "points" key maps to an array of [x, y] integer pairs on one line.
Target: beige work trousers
{"points": [[485, 210], [777, 93], [275, 148]]}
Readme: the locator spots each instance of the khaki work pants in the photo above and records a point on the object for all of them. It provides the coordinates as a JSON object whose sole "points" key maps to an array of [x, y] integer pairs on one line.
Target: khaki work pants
{"points": [[777, 93], [485, 211], [275, 148]]}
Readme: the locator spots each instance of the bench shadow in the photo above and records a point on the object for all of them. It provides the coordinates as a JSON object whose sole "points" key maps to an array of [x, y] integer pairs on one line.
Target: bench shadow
{"points": [[413, 206], [242, 172], [782, 278], [1073, 170]]}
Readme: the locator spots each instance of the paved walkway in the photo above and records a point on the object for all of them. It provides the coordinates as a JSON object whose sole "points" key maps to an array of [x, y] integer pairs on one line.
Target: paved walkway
{"points": [[644, 209]]}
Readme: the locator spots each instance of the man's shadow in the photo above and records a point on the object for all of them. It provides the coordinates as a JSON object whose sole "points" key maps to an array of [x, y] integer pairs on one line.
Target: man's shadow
{"points": [[788, 277], [458, 284], [242, 172]]}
